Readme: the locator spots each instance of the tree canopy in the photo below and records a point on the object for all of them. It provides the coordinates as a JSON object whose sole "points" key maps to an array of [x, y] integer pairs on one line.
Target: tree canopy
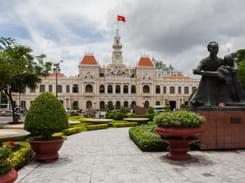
{"points": [[19, 69], [240, 57]]}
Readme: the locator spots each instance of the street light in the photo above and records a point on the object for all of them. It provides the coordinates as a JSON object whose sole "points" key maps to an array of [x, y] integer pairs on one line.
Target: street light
{"points": [[56, 70]]}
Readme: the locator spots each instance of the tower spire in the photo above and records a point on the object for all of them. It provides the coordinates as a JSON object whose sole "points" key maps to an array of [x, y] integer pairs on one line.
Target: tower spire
{"points": [[117, 52]]}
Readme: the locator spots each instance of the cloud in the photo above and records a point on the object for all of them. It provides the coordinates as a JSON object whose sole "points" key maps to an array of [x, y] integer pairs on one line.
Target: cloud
{"points": [[176, 32]]}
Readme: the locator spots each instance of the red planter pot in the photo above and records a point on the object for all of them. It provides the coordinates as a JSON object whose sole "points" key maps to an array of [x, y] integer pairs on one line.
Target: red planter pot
{"points": [[179, 140], [9, 177], [46, 150]]}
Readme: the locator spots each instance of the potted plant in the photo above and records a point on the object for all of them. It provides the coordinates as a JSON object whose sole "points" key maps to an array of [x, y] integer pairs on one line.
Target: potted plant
{"points": [[45, 117], [7, 173], [179, 129]]}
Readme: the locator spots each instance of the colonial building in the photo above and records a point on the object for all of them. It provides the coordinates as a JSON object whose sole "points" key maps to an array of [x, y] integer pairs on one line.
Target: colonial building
{"points": [[149, 83]]}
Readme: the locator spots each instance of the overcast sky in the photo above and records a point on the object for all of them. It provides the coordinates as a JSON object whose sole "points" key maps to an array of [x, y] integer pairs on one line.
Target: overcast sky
{"points": [[173, 31]]}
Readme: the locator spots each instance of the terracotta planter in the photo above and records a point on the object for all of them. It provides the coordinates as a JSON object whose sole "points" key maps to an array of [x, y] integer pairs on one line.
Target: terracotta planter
{"points": [[179, 140], [46, 150], [9, 177]]}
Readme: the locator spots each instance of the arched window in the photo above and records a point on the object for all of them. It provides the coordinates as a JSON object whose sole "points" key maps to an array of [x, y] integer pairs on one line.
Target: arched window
{"points": [[133, 89], [118, 105], [89, 104], [102, 105], [118, 89], [75, 105], [125, 89], [102, 89], [89, 88], [133, 104], [146, 104], [125, 104], [146, 89], [109, 89]]}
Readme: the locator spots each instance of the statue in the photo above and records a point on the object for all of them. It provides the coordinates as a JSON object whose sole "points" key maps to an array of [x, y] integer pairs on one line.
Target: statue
{"points": [[219, 83]]}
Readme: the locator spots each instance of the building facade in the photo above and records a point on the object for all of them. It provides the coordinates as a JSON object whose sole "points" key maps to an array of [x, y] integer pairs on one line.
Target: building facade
{"points": [[149, 83]]}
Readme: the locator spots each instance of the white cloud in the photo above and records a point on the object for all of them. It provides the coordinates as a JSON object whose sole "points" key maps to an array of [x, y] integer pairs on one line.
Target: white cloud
{"points": [[170, 30]]}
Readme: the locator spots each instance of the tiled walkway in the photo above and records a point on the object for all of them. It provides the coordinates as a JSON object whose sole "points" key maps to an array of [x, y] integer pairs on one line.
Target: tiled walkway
{"points": [[109, 156]]}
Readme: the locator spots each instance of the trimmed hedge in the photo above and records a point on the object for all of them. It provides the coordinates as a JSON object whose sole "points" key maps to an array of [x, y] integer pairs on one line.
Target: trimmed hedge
{"points": [[123, 124], [97, 127], [21, 157], [146, 139], [73, 130]]}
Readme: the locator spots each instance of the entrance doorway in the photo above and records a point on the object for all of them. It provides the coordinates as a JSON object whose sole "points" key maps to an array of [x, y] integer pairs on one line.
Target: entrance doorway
{"points": [[172, 104]]}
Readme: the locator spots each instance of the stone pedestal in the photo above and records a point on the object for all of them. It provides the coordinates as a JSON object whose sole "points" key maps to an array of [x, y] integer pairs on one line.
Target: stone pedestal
{"points": [[223, 129]]}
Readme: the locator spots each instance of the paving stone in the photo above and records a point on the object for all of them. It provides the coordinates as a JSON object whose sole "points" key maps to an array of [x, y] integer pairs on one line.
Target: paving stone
{"points": [[109, 156]]}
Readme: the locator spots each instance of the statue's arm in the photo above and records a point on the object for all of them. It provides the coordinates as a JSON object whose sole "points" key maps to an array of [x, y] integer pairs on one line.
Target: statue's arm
{"points": [[199, 71]]}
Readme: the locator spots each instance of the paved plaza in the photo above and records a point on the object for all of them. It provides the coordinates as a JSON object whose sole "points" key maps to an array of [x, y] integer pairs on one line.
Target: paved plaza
{"points": [[109, 156]]}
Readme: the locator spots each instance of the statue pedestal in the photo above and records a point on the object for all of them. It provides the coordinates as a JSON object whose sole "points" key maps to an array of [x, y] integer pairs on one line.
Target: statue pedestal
{"points": [[223, 129]]}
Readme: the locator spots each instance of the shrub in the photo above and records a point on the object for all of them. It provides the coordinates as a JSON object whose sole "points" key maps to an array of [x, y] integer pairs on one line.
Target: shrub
{"points": [[123, 124], [45, 117], [181, 119], [146, 139], [97, 127], [5, 165], [73, 130], [119, 116], [21, 157], [150, 110], [109, 115]]}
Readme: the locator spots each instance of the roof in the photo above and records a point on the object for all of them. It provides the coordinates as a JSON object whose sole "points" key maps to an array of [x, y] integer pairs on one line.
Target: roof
{"points": [[88, 59], [145, 62], [53, 75]]}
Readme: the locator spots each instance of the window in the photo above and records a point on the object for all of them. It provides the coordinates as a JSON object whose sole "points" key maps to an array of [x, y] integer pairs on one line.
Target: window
{"points": [[158, 103], [146, 89], [50, 88], [164, 89], [125, 89], [109, 89], [89, 104], [89, 89], [158, 90], [67, 88], [179, 89], [102, 89], [125, 104], [42, 88], [146, 104], [118, 105], [186, 90], [172, 90], [75, 105], [133, 89], [102, 105], [23, 104], [59, 88], [75, 88], [194, 89], [133, 104], [118, 89]]}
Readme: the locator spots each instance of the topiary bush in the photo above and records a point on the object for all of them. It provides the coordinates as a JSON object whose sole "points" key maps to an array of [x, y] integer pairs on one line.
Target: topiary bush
{"points": [[45, 117]]}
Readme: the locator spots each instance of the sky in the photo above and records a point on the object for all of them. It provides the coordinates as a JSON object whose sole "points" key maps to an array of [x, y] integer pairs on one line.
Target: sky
{"points": [[175, 32]]}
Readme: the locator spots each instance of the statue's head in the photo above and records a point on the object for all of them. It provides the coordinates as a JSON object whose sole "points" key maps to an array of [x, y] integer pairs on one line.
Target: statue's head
{"points": [[213, 48]]}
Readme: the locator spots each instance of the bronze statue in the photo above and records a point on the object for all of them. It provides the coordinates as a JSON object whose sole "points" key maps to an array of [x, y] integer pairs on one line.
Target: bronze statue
{"points": [[219, 83]]}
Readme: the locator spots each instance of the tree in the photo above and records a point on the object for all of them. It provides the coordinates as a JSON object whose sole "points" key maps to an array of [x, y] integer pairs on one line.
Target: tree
{"points": [[110, 105], [239, 55], [19, 69]]}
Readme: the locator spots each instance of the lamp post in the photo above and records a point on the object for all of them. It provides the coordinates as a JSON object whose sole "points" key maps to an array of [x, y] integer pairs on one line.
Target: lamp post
{"points": [[56, 70]]}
